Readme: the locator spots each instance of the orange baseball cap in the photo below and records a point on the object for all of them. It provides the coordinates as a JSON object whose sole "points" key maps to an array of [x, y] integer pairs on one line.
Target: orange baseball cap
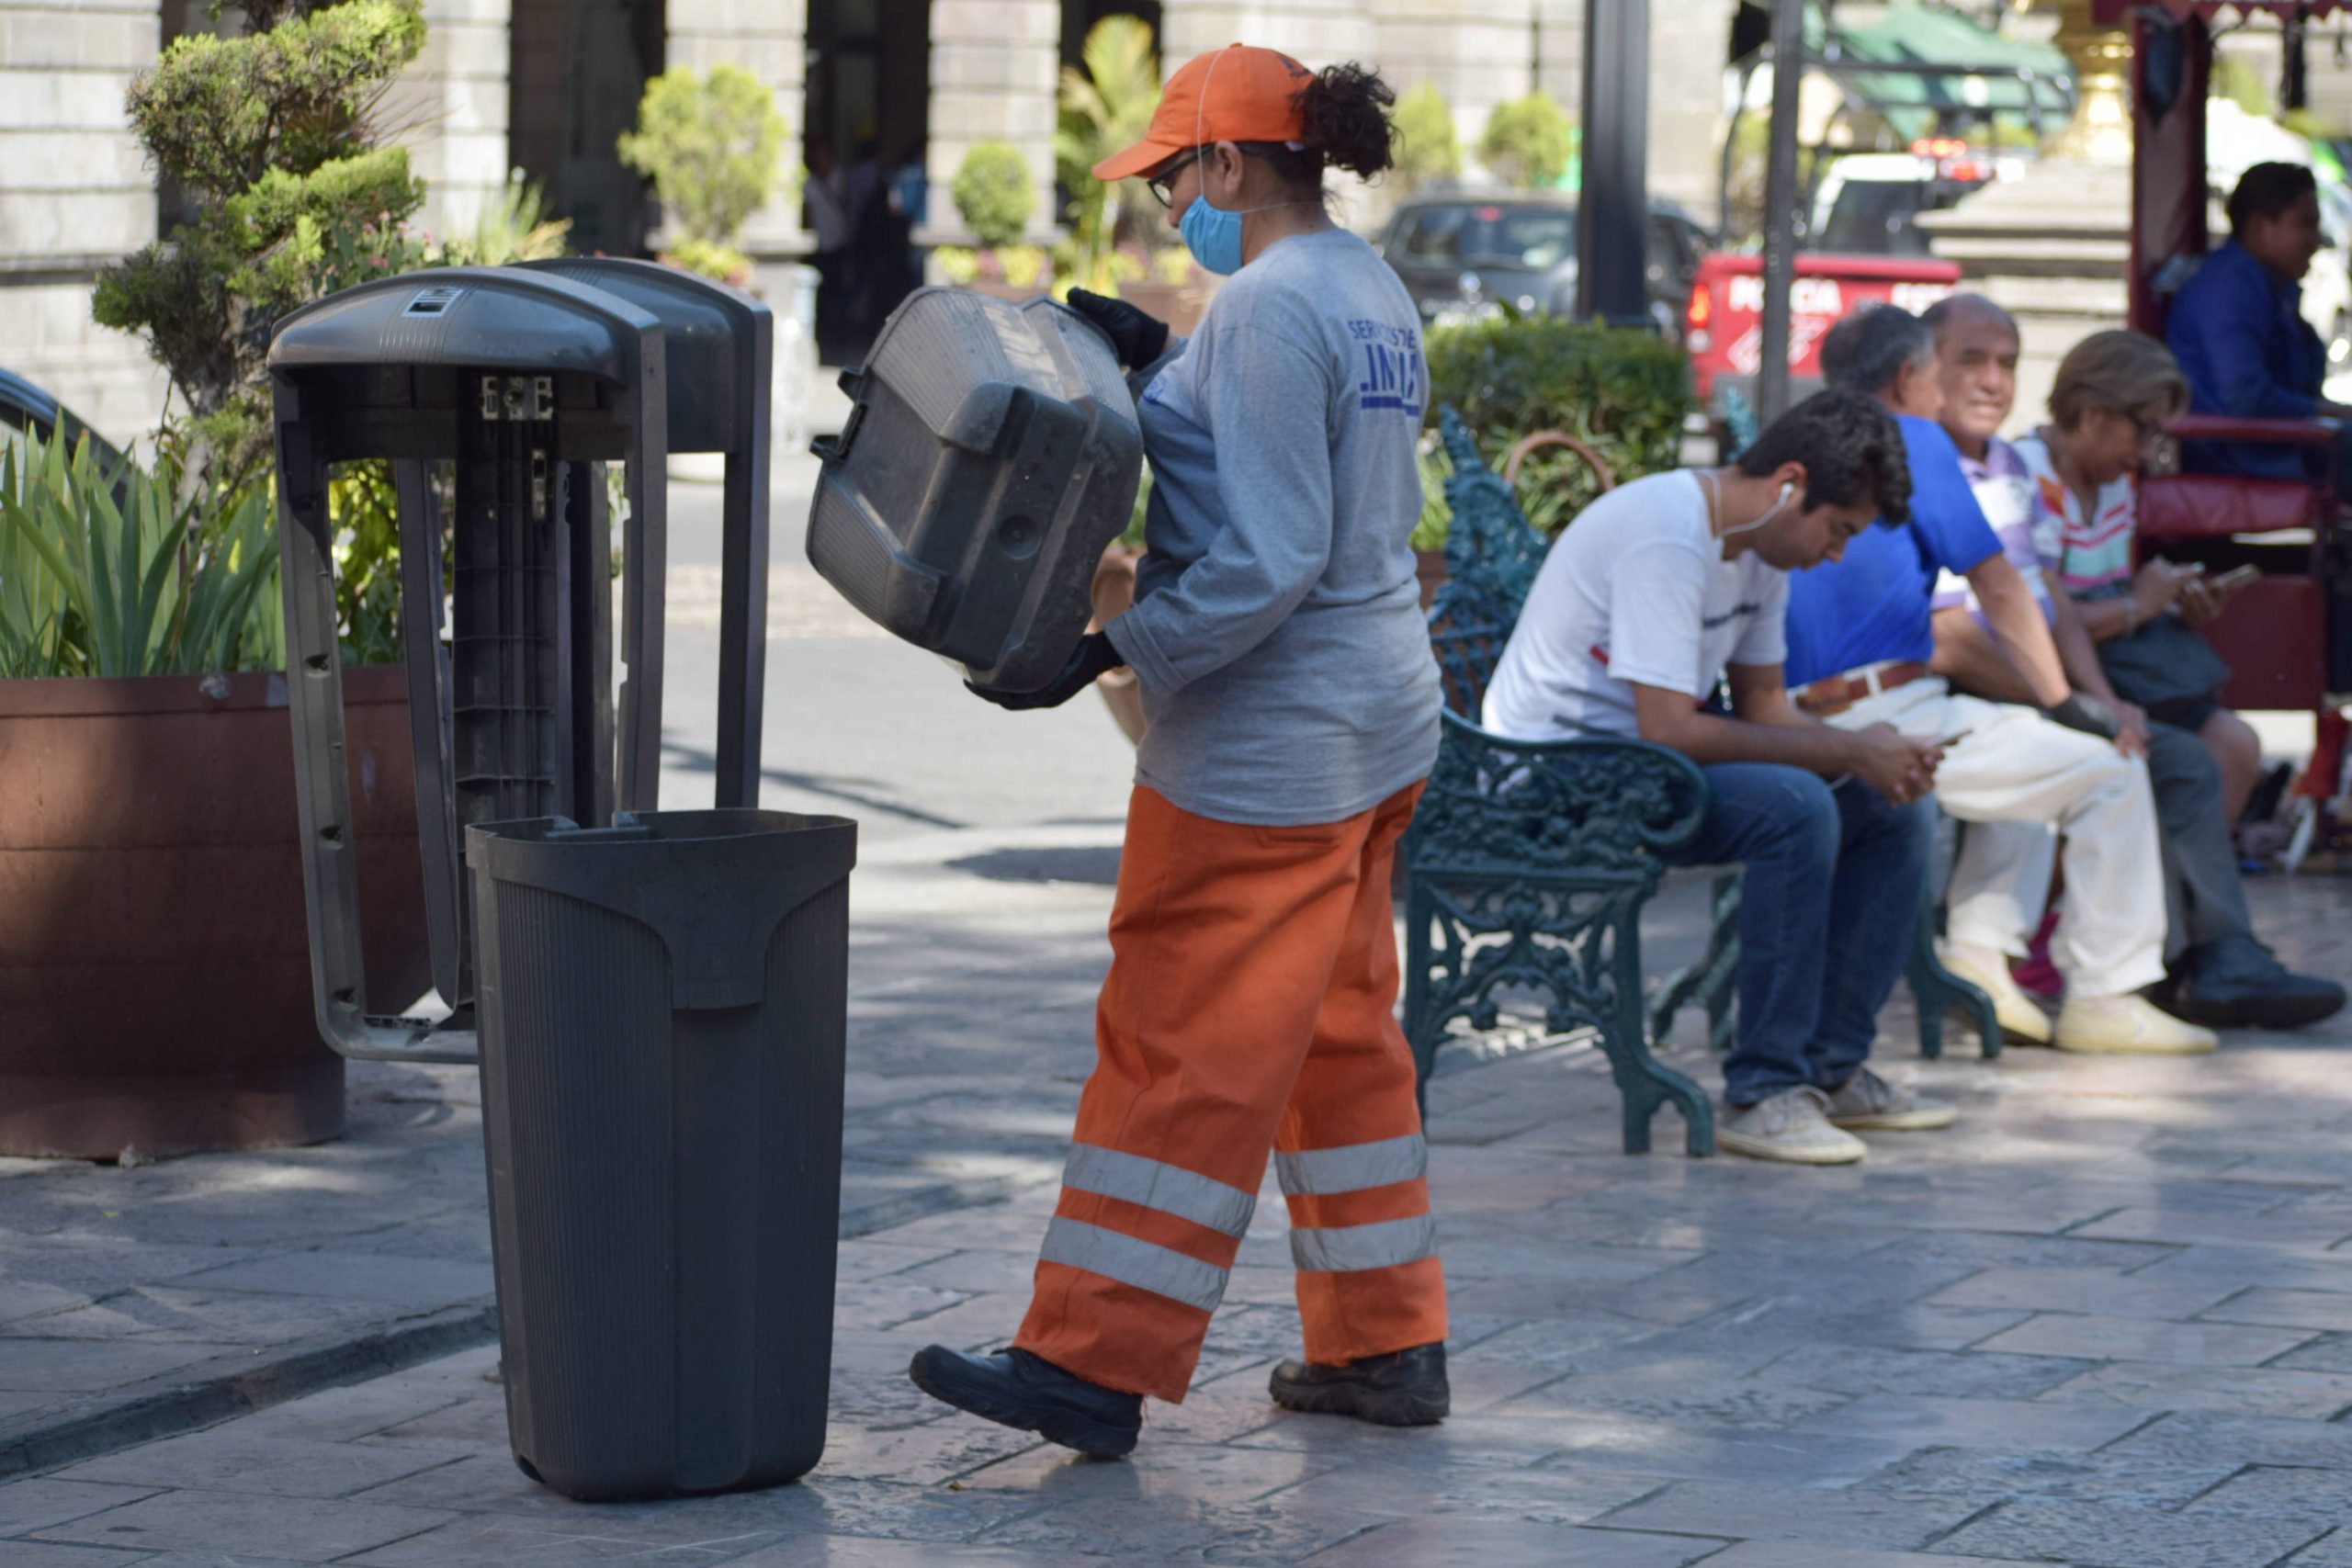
{"points": [[1234, 94]]}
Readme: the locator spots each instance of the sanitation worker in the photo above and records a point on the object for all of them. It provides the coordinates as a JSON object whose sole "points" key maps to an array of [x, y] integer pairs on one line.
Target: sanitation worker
{"points": [[1293, 717]]}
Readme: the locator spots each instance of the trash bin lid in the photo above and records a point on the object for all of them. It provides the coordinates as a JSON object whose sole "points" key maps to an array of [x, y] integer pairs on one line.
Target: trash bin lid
{"points": [[474, 317], [720, 342]]}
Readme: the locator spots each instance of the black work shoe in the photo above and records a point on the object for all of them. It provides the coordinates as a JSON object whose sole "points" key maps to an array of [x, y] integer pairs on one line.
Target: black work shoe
{"points": [[1018, 1388], [2239, 985], [1404, 1388]]}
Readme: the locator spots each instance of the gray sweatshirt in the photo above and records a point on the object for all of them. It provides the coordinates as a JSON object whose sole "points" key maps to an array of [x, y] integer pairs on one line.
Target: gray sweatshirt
{"points": [[1277, 633]]}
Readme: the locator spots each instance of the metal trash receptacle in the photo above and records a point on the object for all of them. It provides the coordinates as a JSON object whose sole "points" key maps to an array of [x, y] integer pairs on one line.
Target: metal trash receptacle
{"points": [[662, 1006]]}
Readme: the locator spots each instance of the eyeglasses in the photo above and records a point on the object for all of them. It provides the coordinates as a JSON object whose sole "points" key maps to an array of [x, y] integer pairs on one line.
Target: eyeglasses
{"points": [[1162, 184]]}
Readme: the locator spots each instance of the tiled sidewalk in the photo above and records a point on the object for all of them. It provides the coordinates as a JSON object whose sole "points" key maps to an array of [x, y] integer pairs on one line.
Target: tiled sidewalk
{"points": [[2107, 1321]]}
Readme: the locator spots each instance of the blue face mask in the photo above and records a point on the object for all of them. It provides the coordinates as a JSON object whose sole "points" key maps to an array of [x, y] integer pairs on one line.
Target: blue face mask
{"points": [[1212, 235]]}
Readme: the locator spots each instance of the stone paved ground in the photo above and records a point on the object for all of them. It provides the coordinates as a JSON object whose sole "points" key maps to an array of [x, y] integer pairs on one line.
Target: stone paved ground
{"points": [[2107, 1321]]}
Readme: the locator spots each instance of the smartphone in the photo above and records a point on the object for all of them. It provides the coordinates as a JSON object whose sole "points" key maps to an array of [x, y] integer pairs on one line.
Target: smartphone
{"points": [[2235, 577]]}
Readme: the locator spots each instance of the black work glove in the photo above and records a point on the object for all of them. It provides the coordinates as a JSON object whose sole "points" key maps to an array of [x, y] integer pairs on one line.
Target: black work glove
{"points": [[2086, 712], [1136, 338], [1093, 657]]}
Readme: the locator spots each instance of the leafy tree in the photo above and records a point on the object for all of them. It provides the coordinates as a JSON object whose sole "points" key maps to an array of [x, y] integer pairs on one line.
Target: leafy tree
{"points": [[993, 195], [1104, 108], [1527, 141], [1426, 147], [711, 145], [272, 133]]}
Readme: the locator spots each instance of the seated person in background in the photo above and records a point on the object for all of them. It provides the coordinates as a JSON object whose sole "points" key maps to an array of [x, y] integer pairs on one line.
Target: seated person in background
{"points": [[1860, 641], [2114, 391], [2237, 327], [1656, 591]]}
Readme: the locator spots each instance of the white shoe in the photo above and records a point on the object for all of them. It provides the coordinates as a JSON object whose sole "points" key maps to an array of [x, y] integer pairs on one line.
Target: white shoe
{"points": [[1867, 1100], [1792, 1125], [2021, 1018], [2128, 1025]]}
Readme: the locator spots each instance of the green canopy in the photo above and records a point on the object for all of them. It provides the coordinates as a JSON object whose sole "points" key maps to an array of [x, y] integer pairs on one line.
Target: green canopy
{"points": [[1913, 34]]}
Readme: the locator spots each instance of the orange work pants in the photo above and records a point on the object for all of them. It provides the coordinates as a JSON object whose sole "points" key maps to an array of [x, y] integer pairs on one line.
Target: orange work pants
{"points": [[1250, 1007]]}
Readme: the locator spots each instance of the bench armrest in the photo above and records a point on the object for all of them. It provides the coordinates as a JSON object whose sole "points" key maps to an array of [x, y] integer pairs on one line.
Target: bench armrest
{"points": [[2253, 431], [1499, 805]]}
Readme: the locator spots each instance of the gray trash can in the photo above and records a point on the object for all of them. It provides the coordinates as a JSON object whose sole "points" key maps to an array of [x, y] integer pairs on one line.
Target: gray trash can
{"points": [[662, 1004]]}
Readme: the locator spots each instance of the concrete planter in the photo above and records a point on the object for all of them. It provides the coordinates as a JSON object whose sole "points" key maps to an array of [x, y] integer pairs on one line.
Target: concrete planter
{"points": [[154, 953]]}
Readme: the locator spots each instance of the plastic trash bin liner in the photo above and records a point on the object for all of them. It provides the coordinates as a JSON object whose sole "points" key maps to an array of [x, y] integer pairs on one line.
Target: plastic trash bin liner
{"points": [[990, 455], [662, 1004]]}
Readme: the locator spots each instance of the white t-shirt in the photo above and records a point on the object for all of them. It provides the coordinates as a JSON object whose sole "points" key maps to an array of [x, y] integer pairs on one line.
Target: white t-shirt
{"points": [[1637, 590]]}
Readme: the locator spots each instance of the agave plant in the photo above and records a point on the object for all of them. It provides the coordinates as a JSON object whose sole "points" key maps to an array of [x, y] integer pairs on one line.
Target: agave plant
{"points": [[108, 572], [1104, 108]]}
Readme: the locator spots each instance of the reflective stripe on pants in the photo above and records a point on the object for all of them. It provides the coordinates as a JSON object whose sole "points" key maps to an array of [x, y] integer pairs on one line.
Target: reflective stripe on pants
{"points": [[1249, 1008]]}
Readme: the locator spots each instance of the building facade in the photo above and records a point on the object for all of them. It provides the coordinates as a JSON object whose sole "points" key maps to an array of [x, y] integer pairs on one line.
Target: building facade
{"points": [[545, 86]]}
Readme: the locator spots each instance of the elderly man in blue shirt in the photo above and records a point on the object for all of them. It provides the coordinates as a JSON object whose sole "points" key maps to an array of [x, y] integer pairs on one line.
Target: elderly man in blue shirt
{"points": [[2238, 331]]}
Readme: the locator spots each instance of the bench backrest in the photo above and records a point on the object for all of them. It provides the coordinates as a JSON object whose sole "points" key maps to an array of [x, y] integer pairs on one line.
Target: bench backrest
{"points": [[1491, 558]]}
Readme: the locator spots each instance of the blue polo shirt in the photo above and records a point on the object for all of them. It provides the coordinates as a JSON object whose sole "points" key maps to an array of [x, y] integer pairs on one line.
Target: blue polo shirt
{"points": [[1872, 606], [2238, 331]]}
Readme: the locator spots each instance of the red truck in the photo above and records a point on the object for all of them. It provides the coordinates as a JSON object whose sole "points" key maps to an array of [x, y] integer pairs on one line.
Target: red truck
{"points": [[1724, 318]]}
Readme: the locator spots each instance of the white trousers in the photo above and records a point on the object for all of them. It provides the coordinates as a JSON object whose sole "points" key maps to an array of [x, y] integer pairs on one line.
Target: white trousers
{"points": [[2030, 779]]}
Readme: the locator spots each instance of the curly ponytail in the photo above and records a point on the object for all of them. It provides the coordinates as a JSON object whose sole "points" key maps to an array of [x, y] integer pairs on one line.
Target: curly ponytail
{"points": [[1344, 111]]}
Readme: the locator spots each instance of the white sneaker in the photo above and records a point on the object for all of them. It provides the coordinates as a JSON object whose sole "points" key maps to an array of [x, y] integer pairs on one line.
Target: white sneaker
{"points": [[1869, 1102], [2021, 1018], [1792, 1125], [2128, 1025]]}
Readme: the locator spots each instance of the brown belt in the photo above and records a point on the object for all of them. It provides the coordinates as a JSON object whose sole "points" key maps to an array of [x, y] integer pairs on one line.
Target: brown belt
{"points": [[1836, 693]]}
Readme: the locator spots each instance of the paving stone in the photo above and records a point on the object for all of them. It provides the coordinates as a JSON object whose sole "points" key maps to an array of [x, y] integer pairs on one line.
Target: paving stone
{"points": [[244, 1522], [2314, 1232], [887, 1303], [35, 1554], [1921, 1420], [2208, 1344], [1812, 1554], [1869, 1368], [2237, 1391], [2092, 1535], [363, 1276], [2277, 1492], [2265, 1266], [1569, 1496], [1996, 1251], [853, 1551], [2328, 1353], [70, 1366], [1670, 1394], [1446, 1543], [1742, 1510], [2332, 1550], [2097, 1291], [592, 1536], [937, 1451], [2197, 1438], [2294, 1309], [29, 1506], [1790, 1459], [231, 1459], [1984, 1476]]}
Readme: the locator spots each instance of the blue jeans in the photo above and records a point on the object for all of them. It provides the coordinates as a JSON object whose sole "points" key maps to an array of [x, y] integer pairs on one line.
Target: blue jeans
{"points": [[1825, 916]]}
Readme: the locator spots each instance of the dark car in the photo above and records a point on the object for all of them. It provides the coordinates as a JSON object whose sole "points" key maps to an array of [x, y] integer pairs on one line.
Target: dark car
{"points": [[25, 410], [1466, 254]]}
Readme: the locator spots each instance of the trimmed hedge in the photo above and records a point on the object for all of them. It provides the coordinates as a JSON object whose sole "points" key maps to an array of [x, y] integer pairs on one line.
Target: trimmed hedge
{"points": [[1622, 391]]}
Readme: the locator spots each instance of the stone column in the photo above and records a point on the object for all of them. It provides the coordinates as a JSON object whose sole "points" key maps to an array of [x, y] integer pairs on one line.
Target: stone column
{"points": [[74, 195], [1477, 52], [769, 38], [454, 96], [994, 68], [1316, 32], [1690, 42]]}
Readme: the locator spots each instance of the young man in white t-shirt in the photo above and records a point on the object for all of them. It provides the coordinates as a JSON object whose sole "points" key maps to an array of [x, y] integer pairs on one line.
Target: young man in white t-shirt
{"points": [[1656, 592]]}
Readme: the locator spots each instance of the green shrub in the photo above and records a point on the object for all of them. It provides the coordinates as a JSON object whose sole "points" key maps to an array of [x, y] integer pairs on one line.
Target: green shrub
{"points": [[271, 134], [712, 145], [1527, 141], [1103, 110], [110, 572], [993, 194], [1623, 392], [1426, 147]]}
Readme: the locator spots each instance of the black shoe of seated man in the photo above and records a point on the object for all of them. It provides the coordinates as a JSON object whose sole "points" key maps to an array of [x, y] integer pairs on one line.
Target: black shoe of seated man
{"points": [[1136, 338], [1015, 1388], [1404, 1388], [2238, 984], [1093, 658]]}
